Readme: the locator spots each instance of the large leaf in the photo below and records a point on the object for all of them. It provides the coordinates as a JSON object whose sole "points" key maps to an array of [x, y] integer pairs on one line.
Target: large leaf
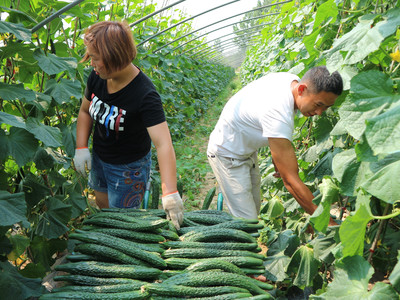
{"points": [[351, 279], [15, 92], [50, 136], [395, 275], [286, 242], [385, 181], [43, 250], [330, 194], [15, 286], [63, 90], [350, 172], [12, 209], [52, 223], [20, 32], [20, 243], [34, 190], [324, 244], [22, 145], [352, 230], [371, 93], [303, 266], [383, 131], [52, 64], [275, 267], [12, 120]]}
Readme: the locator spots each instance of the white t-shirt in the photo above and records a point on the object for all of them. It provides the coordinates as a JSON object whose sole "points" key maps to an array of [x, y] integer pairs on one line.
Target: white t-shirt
{"points": [[264, 108]]}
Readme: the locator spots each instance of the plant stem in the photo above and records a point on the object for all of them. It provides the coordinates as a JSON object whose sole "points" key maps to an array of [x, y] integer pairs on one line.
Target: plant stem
{"points": [[378, 233]]}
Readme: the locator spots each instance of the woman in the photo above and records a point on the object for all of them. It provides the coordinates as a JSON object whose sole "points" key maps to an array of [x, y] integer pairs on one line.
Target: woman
{"points": [[128, 116]]}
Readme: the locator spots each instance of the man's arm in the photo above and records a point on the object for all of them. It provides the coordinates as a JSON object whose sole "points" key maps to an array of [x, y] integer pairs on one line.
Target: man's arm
{"points": [[285, 161]]}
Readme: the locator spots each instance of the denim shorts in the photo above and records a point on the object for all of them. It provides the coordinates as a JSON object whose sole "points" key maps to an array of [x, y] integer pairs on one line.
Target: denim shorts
{"points": [[125, 184]]}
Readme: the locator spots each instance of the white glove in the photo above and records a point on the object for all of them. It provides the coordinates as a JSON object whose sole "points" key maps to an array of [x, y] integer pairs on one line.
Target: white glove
{"points": [[173, 206], [82, 157]]}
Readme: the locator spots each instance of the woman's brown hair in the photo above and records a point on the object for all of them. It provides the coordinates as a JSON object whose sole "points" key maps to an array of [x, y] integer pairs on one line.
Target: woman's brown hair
{"points": [[113, 41]]}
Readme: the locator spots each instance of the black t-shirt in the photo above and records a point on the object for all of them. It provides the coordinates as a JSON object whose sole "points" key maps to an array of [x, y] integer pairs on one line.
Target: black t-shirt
{"points": [[121, 118]]}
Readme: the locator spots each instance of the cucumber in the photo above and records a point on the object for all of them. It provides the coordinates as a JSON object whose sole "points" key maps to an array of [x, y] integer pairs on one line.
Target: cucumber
{"points": [[207, 219], [208, 253], [254, 271], [188, 223], [107, 253], [260, 297], [169, 235], [229, 296], [81, 257], [155, 195], [134, 236], [130, 248], [214, 263], [215, 278], [91, 280], [219, 234], [239, 261], [188, 291], [137, 226], [95, 296], [227, 246], [136, 211], [111, 288], [235, 224], [103, 269], [208, 199]]}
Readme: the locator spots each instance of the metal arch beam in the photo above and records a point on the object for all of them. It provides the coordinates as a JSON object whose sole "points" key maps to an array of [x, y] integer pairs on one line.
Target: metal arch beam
{"points": [[242, 30], [154, 13], [258, 8], [206, 50], [181, 22], [219, 52], [219, 47], [259, 17], [55, 15]]}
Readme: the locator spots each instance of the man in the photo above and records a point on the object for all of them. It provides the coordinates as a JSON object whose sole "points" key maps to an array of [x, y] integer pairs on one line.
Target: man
{"points": [[262, 114]]}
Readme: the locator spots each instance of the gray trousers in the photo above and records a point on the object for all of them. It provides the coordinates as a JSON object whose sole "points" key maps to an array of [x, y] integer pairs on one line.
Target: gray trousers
{"points": [[240, 184]]}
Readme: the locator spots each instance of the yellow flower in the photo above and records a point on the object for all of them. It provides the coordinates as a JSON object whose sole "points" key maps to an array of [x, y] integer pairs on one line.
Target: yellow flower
{"points": [[16, 69], [395, 55]]}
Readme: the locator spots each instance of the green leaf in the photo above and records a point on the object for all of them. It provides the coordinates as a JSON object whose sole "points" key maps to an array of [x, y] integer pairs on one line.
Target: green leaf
{"points": [[383, 131], [275, 267], [352, 231], [20, 32], [371, 93], [52, 223], [78, 203], [34, 190], [385, 180], [286, 242], [50, 136], [12, 209], [330, 194], [15, 92], [22, 145], [326, 11], [43, 250], [395, 275], [275, 208], [52, 64], [324, 244], [303, 266], [63, 90], [43, 160], [15, 286], [20, 243], [351, 279], [12, 120], [68, 138]]}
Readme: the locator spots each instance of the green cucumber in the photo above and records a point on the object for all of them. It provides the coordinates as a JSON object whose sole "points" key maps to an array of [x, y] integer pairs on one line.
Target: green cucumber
{"points": [[169, 235], [239, 261], [208, 253], [215, 278], [188, 291], [81, 257], [214, 263], [137, 226], [95, 296], [219, 234], [103, 269], [208, 199], [111, 288], [235, 224], [222, 245], [141, 237], [230, 296], [133, 249], [92, 280], [107, 253]]}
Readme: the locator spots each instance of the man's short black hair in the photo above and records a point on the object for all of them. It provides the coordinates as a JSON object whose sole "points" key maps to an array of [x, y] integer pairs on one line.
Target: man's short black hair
{"points": [[322, 80]]}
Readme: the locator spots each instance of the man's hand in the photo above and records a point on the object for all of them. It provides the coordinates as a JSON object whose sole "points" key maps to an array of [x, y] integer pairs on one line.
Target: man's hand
{"points": [[82, 159], [173, 206]]}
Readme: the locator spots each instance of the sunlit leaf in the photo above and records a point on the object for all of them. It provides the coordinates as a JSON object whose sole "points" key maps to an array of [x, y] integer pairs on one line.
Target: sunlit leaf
{"points": [[52, 64], [15, 92], [63, 90], [20, 32]]}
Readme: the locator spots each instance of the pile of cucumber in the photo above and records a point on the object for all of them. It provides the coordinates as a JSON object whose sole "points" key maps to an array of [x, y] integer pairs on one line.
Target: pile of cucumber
{"points": [[138, 254]]}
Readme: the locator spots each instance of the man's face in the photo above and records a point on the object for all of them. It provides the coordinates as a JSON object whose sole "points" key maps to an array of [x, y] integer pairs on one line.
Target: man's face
{"points": [[311, 104]]}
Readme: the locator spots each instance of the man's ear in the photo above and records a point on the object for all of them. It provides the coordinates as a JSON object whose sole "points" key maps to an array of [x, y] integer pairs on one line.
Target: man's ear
{"points": [[301, 88]]}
